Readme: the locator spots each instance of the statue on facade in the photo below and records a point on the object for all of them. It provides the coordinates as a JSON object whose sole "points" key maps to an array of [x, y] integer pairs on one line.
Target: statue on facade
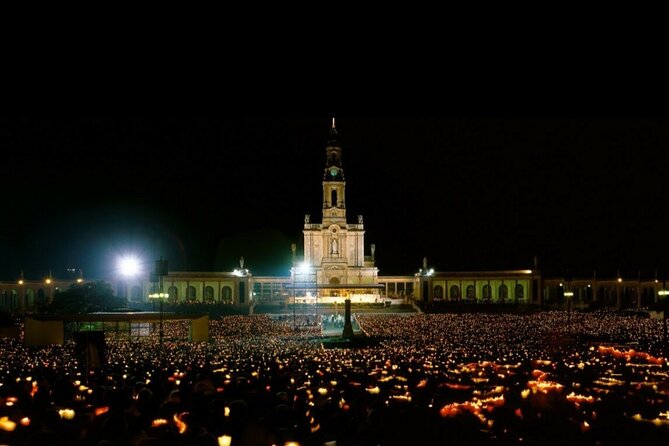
{"points": [[307, 218], [372, 247], [334, 246], [241, 262], [359, 219]]}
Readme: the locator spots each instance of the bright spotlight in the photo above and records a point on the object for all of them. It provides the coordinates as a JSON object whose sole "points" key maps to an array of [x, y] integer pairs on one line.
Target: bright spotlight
{"points": [[129, 266], [303, 268]]}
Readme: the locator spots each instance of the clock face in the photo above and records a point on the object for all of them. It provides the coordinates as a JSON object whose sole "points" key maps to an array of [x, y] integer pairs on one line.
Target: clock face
{"points": [[333, 172]]}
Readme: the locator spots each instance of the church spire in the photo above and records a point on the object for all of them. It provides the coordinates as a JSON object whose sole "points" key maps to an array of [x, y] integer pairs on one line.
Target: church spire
{"points": [[334, 183], [333, 141], [333, 166]]}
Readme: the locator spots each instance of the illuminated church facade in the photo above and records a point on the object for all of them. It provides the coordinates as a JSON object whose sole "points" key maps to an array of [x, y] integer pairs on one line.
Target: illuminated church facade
{"points": [[334, 261], [335, 266]]}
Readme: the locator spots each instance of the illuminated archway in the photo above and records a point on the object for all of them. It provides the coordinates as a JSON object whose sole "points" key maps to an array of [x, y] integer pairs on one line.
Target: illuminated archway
{"points": [[503, 293], [455, 292]]}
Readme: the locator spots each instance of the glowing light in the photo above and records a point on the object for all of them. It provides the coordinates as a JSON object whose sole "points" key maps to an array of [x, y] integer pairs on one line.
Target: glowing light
{"points": [[158, 422], [224, 440], [48, 281], [25, 421], [159, 295], [620, 279], [104, 409], [628, 355], [179, 423], [574, 398], [303, 268], [129, 266], [7, 425], [21, 282], [544, 386], [66, 414]]}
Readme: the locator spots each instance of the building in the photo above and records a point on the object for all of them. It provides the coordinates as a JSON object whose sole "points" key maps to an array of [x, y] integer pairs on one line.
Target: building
{"points": [[334, 263], [334, 266]]}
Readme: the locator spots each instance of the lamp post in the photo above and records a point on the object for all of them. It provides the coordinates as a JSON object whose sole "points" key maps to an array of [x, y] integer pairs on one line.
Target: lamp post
{"points": [[664, 303], [22, 294], [292, 279], [161, 270], [160, 296], [49, 282], [569, 295], [303, 269]]}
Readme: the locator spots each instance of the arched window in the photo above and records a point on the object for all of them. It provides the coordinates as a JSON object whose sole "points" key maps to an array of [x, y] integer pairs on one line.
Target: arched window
{"points": [[520, 291], [173, 294], [486, 292], [30, 298], [471, 292], [227, 294], [438, 292], [503, 293], [191, 294], [208, 294], [333, 198], [135, 293], [455, 292]]}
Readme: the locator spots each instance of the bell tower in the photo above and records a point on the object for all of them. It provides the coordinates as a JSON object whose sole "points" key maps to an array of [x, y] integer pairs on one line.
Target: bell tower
{"points": [[334, 248], [334, 183]]}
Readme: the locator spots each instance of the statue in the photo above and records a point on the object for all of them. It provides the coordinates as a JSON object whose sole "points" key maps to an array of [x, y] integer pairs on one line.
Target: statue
{"points": [[359, 219], [241, 262], [372, 248], [334, 246], [307, 217]]}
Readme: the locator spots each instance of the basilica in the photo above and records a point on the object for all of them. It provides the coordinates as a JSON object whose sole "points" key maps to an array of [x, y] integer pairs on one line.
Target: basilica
{"points": [[335, 266]]}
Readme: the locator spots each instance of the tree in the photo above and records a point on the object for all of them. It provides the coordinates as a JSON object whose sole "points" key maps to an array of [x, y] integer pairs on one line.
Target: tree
{"points": [[86, 298]]}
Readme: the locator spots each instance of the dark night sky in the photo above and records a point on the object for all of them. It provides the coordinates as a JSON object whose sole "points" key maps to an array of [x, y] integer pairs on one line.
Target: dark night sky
{"points": [[467, 192]]}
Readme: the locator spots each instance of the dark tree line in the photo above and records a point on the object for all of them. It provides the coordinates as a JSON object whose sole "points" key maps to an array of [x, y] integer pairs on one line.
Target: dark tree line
{"points": [[84, 298]]}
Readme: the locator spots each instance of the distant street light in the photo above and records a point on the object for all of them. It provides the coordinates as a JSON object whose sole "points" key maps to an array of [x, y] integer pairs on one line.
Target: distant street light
{"points": [[160, 297], [569, 295], [305, 270], [160, 271]]}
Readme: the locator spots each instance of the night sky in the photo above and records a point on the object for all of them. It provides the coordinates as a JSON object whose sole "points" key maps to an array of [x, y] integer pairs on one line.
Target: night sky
{"points": [[469, 193]]}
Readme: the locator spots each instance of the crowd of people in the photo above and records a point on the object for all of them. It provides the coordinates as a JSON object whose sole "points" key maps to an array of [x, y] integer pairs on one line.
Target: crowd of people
{"points": [[546, 378]]}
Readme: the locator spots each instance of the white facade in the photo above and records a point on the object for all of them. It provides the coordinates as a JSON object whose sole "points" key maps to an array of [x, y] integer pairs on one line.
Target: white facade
{"points": [[334, 250]]}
